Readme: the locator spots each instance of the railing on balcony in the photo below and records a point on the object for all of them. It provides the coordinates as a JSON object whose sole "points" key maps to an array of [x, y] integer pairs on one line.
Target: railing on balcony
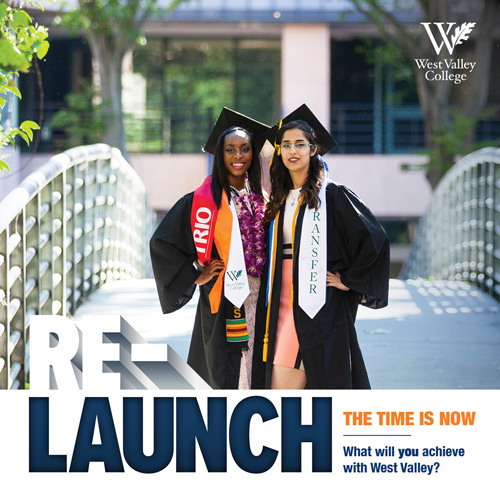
{"points": [[459, 236], [359, 127], [173, 129], [77, 222], [365, 128]]}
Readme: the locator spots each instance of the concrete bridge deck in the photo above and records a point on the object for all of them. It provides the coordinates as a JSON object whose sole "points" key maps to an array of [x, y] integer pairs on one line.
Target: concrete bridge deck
{"points": [[433, 335]]}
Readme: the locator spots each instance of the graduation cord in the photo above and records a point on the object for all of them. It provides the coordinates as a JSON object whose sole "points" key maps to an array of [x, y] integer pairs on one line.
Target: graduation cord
{"points": [[273, 239], [293, 242]]}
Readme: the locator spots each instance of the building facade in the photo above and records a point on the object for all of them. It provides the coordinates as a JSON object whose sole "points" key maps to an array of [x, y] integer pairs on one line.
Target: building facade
{"points": [[263, 58]]}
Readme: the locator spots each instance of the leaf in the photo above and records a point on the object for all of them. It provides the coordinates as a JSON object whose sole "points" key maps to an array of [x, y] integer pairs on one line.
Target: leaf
{"points": [[14, 90], [28, 124], [11, 59], [4, 166], [27, 127], [462, 33], [2, 102], [29, 133], [23, 135], [42, 49], [21, 18]]}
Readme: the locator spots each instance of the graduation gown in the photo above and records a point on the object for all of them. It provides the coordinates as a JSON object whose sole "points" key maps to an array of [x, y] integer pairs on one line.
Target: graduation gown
{"points": [[358, 248], [172, 255]]}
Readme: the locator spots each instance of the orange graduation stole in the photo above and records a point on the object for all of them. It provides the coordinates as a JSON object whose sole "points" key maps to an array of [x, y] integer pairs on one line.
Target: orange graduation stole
{"points": [[210, 224]]}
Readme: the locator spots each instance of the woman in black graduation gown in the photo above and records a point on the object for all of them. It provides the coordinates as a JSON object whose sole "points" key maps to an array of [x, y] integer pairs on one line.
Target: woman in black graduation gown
{"points": [[327, 255], [214, 238]]}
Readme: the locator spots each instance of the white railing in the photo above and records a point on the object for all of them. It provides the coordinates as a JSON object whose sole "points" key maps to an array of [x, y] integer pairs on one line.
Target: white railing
{"points": [[459, 236], [77, 222]]}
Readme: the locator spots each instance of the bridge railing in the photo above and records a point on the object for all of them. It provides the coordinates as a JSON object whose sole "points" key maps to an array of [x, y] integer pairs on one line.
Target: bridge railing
{"points": [[459, 236], [77, 222]]}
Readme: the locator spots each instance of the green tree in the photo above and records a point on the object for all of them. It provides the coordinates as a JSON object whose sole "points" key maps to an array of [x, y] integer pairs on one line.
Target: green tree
{"points": [[451, 112], [20, 41], [112, 28], [82, 121]]}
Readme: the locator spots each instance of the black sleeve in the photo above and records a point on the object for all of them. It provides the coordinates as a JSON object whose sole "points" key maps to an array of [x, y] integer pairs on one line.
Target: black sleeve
{"points": [[172, 256], [366, 247]]}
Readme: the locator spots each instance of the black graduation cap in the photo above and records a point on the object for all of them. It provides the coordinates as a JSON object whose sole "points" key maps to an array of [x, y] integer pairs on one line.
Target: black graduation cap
{"points": [[229, 118], [325, 141]]}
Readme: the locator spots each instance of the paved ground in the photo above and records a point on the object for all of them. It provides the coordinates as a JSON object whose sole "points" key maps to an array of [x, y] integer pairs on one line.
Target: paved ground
{"points": [[433, 335]]}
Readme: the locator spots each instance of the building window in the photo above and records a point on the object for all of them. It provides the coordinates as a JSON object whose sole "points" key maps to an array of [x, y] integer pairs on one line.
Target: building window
{"points": [[188, 81], [374, 108], [66, 65]]}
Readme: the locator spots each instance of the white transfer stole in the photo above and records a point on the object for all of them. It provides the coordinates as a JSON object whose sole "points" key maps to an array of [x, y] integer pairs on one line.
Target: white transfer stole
{"points": [[312, 257]]}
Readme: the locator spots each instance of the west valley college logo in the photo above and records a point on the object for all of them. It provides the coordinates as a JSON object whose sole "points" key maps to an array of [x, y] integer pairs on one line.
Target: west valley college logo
{"points": [[450, 35], [460, 34]]}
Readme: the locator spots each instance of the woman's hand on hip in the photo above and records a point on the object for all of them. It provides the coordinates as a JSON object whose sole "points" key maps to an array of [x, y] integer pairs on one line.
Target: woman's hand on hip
{"points": [[333, 279], [213, 269]]}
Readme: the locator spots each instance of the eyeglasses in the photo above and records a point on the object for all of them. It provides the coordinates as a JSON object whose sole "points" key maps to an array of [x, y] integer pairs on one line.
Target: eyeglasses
{"points": [[298, 147]]}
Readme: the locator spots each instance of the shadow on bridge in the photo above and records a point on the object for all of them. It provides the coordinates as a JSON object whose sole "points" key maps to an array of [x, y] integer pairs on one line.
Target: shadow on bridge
{"points": [[433, 335]]}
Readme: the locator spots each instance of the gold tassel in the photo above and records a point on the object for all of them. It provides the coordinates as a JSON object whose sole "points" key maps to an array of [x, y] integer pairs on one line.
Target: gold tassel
{"points": [[264, 354]]}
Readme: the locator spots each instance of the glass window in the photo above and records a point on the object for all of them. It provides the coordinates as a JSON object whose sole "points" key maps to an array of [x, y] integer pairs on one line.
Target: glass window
{"points": [[198, 80], [190, 80], [352, 97]]}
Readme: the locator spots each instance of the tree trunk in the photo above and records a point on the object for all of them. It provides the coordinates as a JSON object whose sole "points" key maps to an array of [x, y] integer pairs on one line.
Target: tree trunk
{"points": [[476, 99], [109, 60], [438, 98]]}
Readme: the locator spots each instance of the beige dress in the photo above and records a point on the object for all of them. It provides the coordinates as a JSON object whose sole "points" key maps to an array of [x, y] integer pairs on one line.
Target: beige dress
{"points": [[250, 306]]}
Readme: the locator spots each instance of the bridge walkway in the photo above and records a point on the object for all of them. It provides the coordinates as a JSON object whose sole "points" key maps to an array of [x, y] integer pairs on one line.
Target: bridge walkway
{"points": [[433, 334]]}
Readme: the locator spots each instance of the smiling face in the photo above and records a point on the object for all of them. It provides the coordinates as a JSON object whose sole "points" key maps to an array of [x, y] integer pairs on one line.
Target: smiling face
{"points": [[237, 157], [297, 159]]}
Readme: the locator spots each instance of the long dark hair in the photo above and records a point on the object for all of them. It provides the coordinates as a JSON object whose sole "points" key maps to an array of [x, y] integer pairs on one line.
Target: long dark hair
{"points": [[281, 181], [219, 172]]}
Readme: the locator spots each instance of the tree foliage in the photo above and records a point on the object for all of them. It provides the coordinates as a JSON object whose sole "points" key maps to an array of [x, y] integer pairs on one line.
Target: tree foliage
{"points": [[112, 28], [82, 121], [20, 40]]}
